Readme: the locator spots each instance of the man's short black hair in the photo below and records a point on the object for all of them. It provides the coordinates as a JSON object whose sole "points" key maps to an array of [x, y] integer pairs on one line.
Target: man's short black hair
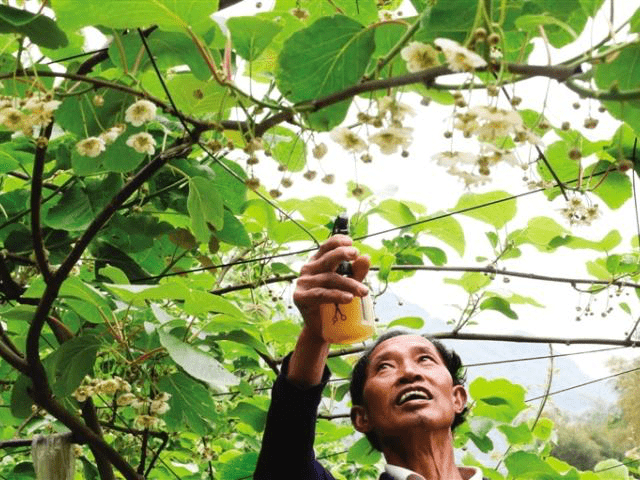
{"points": [[359, 375]]}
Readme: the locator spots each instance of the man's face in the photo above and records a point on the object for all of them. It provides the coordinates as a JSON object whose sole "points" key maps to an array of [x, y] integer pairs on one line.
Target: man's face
{"points": [[408, 387]]}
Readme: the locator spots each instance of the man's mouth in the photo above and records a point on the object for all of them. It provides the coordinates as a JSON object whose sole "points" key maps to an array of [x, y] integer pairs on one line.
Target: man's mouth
{"points": [[413, 394]]}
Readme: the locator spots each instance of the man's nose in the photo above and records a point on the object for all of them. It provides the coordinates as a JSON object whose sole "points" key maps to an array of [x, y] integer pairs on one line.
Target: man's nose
{"points": [[410, 372]]}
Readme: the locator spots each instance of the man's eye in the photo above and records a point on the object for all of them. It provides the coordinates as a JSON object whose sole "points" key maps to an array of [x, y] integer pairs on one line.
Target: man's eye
{"points": [[382, 366], [425, 358]]}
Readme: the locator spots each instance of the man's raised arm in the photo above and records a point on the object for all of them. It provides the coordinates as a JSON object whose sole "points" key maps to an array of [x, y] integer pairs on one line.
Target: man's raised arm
{"points": [[287, 444]]}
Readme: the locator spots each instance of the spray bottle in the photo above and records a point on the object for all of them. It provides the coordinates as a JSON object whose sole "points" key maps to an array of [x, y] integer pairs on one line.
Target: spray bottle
{"points": [[353, 321]]}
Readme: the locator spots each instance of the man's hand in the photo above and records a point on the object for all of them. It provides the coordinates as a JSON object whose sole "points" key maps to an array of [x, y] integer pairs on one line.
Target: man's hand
{"points": [[319, 283]]}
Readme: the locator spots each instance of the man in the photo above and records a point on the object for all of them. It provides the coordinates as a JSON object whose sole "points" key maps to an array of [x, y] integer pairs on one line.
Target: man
{"points": [[406, 391]]}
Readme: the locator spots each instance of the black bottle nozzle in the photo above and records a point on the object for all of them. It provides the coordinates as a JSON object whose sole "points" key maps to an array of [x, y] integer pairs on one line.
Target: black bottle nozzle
{"points": [[341, 226]]}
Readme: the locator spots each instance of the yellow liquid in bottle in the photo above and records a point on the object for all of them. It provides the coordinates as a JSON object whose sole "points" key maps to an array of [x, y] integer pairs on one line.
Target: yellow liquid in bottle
{"points": [[348, 323]]}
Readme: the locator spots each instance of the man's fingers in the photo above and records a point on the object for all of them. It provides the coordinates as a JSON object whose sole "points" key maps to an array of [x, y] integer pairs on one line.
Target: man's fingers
{"points": [[317, 296], [333, 242], [360, 267], [331, 281], [329, 261]]}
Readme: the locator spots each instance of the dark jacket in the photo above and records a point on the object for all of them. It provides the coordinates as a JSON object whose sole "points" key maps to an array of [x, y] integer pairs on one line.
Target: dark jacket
{"points": [[287, 443]]}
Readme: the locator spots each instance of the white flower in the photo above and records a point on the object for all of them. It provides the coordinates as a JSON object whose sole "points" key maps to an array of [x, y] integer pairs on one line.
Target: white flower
{"points": [[125, 399], [111, 135], [469, 178], [90, 147], [577, 213], [319, 151], [391, 138], [108, 387], [419, 56], [142, 142], [348, 140], [82, 393], [145, 421], [158, 407], [496, 123], [494, 155], [450, 159], [41, 110], [12, 118], [459, 58], [397, 109], [140, 112]]}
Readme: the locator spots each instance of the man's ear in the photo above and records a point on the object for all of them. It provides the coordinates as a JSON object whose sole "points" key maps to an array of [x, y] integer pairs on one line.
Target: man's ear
{"points": [[359, 419], [459, 398]]}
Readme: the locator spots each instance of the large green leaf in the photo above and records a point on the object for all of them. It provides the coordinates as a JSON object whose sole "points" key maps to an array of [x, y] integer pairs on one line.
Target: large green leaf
{"points": [[41, 29], [615, 190], [446, 229], [498, 399], [204, 205], [251, 35], [74, 360], [171, 15], [192, 406], [233, 231], [196, 362], [321, 59], [497, 214]]}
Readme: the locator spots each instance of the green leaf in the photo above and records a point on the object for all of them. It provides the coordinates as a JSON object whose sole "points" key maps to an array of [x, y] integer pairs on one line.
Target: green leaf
{"points": [[196, 362], [232, 190], [634, 22], [410, 322], [191, 404], [72, 212], [531, 23], [197, 97], [470, 281], [250, 414], [519, 435], [512, 394], [395, 212], [615, 190], [287, 148], [446, 229], [251, 35], [497, 215], [11, 158], [500, 305], [543, 429], [41, 29], [204, 205], [74, 360], [324, 58], [233, 231], [529, 465], [170, 15], [241, 466], [363, 453], [21, 401], [611, 469], [436, 255]]}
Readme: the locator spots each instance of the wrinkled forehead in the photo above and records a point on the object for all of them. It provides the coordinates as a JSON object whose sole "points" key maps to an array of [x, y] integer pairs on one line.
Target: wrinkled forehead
{"points": [[402, 344]]}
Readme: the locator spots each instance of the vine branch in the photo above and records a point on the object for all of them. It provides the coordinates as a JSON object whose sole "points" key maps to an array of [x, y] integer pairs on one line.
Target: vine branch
{"points": [[36, 198]]}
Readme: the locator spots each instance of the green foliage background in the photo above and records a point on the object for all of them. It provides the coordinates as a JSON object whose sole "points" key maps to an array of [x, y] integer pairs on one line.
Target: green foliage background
{"points": [[156, 268]]}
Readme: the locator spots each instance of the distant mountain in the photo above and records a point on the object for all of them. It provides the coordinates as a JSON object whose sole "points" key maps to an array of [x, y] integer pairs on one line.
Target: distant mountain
{"points": [[530, 374]]}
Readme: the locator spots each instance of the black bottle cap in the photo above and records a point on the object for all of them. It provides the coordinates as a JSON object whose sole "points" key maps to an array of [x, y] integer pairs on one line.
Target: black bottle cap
{"points": [[341, 226]]}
